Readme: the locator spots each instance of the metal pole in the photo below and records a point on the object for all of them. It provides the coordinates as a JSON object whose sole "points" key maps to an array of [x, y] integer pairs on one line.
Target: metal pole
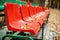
{"points": [[43, 31], [43, 4]]}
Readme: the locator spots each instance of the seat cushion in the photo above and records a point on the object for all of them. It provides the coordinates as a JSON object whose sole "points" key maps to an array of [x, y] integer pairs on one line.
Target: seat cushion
{"points": [[24, 26]]}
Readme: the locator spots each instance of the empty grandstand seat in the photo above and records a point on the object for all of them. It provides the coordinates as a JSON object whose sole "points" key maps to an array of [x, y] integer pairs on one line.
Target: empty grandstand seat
{"points": [[44, 11]]}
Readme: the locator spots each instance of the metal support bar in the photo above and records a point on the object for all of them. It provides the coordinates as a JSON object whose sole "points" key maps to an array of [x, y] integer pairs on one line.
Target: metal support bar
{"points": [[18, 36], [47, 18], [42, 30]]}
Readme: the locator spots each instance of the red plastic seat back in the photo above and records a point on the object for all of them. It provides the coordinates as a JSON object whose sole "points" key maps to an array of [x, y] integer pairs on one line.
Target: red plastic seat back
{"points": [[12, 13], [45, 8], [5, 11], [39, 9], [32, 10], [24, 11]]}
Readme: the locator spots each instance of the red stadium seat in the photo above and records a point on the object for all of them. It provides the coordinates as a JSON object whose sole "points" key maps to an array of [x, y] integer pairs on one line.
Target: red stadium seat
{"points": [[46, 10]]}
